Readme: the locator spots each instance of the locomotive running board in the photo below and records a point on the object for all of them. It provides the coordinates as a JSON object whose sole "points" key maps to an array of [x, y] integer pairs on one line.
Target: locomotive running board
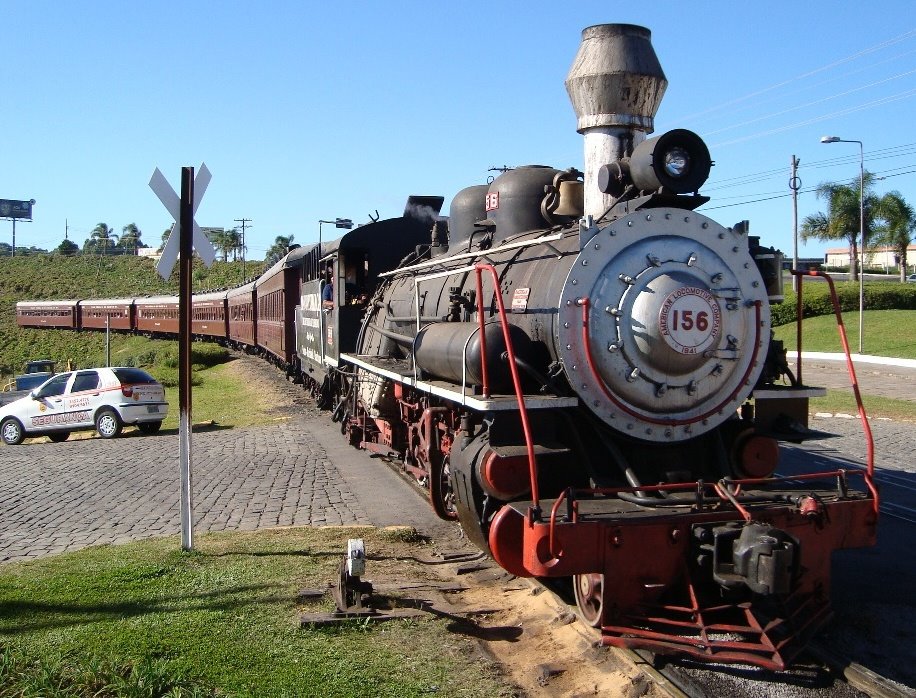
{"points": [[402, 372]]}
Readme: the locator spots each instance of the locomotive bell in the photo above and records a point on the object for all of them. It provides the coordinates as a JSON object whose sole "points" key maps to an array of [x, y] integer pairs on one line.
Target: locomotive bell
{"points": [[615, 85], [572, 199]]}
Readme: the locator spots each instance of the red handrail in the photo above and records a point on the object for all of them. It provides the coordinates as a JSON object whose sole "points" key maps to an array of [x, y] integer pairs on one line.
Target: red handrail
{"points": [[479, 268], [841, 328]]}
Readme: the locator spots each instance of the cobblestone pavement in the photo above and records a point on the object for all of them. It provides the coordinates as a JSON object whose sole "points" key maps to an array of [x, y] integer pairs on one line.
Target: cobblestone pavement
{"points": [[895, 441], [885, 380], [58, 497]]}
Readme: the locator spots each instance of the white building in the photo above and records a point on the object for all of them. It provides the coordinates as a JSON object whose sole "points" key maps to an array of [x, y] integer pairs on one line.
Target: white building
{"points": [[837, 257]]}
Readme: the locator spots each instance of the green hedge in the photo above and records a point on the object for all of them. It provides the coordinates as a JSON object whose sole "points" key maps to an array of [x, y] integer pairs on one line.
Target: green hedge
{"points": [[816, 300]]}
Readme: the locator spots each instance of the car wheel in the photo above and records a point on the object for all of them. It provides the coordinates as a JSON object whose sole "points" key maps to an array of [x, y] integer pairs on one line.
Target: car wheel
{"points": [[149, 427], [59, 436], [12, 431], [108, 424]]}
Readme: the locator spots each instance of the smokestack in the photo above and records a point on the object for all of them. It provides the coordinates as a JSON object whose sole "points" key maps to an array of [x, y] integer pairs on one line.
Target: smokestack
{"points": [[615, 85]]}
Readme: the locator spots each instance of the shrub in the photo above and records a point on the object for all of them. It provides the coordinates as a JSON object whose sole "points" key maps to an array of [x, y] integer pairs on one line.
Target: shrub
{"points": [[816, 299]]}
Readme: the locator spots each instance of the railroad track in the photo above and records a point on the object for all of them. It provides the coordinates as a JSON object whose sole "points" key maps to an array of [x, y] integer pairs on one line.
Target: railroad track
{"points": [[821, 671]]}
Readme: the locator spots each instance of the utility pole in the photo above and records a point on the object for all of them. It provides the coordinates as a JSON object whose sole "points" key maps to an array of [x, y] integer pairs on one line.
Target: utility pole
{"points": [[794, 185], [244, 222]]}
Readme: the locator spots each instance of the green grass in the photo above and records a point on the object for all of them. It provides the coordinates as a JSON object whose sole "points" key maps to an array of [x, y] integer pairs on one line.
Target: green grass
{"points": [[219, 396], [890, 333], [838, 401], [146, 619]]}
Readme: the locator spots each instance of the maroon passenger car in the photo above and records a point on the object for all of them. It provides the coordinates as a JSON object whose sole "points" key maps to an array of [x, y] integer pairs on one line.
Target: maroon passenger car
{"points": [[277, 294], [209, 319], [240, 307], [157, 314], [61, 314], [113, 313]]}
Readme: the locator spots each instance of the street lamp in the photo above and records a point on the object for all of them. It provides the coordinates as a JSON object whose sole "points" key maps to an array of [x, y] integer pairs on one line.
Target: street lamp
{"points": [[344, 223], [837, 139]]}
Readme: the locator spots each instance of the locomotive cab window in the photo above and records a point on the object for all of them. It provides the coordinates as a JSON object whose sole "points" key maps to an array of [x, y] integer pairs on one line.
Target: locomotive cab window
{"points": [[355, 265]]}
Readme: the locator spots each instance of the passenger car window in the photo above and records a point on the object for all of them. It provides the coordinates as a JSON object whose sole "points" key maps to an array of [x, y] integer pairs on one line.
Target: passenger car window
{"points": [[85, 380], [55, 386]]}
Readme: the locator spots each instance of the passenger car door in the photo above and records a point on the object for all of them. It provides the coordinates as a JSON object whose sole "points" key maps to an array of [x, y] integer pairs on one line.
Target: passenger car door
{"points": [[82, 398]]}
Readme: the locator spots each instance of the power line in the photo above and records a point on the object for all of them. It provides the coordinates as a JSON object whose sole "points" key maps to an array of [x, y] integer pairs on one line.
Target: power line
{"points": [[770, 196], [806, 89], [812, 103], [834, 64], [817, 119]]}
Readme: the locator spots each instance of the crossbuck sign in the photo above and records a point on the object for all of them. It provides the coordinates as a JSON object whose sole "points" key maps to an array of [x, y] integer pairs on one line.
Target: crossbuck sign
{"points": [[172, 203]]}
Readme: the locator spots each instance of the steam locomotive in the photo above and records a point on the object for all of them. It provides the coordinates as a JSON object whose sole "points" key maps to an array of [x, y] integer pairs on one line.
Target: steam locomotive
{"points": [[579, 368]]}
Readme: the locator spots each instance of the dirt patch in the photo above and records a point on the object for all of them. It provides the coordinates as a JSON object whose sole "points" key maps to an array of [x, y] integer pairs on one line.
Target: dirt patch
{"points": [[550, 653], [276, 396]]}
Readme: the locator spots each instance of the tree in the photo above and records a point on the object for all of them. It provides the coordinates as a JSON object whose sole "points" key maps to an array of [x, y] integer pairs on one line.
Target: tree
{"points": [[276, 251], [101, 237], [898, 222], [841, 221], [130, 237], [234, 244], [225, 241], [67, 247], [165, 237]]}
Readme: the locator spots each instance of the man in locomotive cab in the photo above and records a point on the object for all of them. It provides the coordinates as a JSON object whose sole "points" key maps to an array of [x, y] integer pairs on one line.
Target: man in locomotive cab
{"points": [[327, 291]]}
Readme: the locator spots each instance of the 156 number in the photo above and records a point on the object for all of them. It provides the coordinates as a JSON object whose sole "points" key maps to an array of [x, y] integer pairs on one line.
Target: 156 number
{"points": [[684, 320]]}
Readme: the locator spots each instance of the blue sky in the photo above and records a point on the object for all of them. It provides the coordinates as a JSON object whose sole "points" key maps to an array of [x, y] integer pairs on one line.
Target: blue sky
{"points": [[307, 110]]}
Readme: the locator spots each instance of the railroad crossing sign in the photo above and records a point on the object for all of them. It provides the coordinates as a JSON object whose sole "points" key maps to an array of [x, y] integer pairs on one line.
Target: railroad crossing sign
{"points": [[172, 203]]}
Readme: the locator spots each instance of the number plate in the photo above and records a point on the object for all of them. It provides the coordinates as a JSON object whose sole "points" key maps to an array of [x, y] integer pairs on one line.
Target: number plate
{"points": [[690, 320], [152, 409]]}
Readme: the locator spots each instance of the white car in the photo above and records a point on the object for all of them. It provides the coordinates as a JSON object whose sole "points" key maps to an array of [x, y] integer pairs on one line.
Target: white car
{"points": [[104, 399]]}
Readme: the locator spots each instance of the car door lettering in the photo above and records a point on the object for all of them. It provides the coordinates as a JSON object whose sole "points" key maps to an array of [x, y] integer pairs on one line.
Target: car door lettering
{"points": [[74, 403], [54, 418]]}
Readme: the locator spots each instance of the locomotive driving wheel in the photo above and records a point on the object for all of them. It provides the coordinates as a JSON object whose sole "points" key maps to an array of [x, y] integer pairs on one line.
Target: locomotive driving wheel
{"points": [[589, 590], [441, 495]]}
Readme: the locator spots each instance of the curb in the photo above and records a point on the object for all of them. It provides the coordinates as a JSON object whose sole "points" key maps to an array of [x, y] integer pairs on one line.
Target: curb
{"points": [[856, 358]]}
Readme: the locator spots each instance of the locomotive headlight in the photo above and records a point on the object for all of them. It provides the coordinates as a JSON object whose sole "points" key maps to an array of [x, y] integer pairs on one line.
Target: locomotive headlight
{"points": [[677, 161]]}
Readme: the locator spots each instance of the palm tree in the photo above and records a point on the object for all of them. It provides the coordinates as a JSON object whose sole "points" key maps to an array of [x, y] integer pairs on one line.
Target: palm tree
{"points": [[130, 237], [278, 249], [841, 221], [898, 222], [233, 243], [165, 237], [102, 235], [216, 236]]}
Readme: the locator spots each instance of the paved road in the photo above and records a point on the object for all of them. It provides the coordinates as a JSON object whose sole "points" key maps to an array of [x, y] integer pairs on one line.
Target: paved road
{"points": [[58, 497], [886, 378]]}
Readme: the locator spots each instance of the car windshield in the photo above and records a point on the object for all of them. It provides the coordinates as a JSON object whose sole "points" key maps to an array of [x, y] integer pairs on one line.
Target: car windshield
{"points": [[133, 376]]}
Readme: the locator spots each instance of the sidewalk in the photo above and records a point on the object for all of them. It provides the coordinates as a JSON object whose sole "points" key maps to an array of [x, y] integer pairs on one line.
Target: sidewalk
{"points": [[877, 375]]}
